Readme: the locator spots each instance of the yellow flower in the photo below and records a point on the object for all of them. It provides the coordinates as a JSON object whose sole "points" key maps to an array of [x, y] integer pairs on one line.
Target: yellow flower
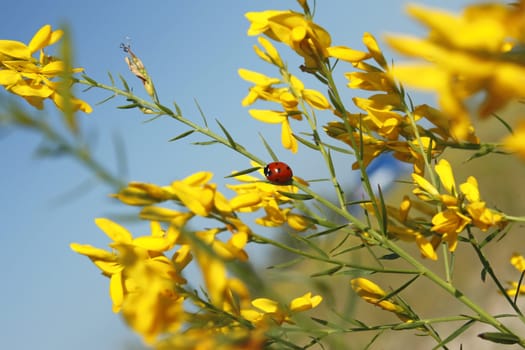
{"points": [[254, 194], [306, 38], [518, 261], [516, 141], [347, 54], [31, 78], [305, 302], [268, 309], [450, 223], [467, 55], [373, 294], [129, 251], [271, 55]]}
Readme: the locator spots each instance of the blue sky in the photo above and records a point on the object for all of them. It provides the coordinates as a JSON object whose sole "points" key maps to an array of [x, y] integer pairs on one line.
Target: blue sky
{"points": [[52, 298]]}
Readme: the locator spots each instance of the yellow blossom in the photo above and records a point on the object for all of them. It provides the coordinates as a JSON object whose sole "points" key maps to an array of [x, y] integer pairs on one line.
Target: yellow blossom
{"points": [[373, 294], [271, 55], [306, 38], [31, 78], [466, 54], [516, 141], [518, 261], [268, 309], [449, 223]]}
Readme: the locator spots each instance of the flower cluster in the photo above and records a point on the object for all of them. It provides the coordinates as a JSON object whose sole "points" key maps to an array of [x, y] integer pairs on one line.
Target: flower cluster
{"points": [[32, 78], [148, 286], [288, 91], [478, 51], [461, 206]]}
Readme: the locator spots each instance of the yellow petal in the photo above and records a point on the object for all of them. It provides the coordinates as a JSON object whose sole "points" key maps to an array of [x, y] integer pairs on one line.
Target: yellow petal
{"points": [[371, 43], [315, 99], [14, 49], [444, 170], [9, 77], [268, 116], [306, 302], [470, 189], [257, 78], [199, 178], [114, 231], [40, 39], [251, 199], [518, 262], [157, 244], [287, 139], [266, 305], [421, 76], [92, 252], [425, 247], [347, 54], [365, 286], [116, 291]]}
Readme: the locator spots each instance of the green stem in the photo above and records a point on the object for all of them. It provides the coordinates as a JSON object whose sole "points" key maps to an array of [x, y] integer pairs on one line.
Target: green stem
{"points": [[163, 110]]}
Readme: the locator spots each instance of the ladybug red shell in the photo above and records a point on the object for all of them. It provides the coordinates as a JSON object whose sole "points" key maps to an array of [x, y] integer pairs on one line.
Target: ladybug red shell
{"points": [[278, 173]]}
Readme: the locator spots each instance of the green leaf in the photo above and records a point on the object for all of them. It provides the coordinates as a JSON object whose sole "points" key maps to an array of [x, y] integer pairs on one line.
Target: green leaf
{"points": [[298, 196], [111, 79], [181, 136], [505, 124], [130, 106], [364, 201], [483, 274], [500, 338], [242, 172], [325, 232], [306, 143], [326, 323], [286, 264], [335, 102], [177, 109], [328, 272], [164, 109], [124, 83], [205, 143], [89, 80], [203, 116], [232, 143], [455, 334], [106, 99], [269, 149], [312, 245], [392, 256]]}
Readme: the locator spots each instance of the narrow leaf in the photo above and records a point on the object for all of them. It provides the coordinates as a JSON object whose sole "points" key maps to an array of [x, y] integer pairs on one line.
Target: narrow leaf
{"points": [[124, 83], [242, 172], [181, 136], [500, 338], [269, 149], [328, 272], [130, 106], [164, 109], [298, 196], [203, 116], [205, 143], [232, 143], [325, 232], [306, 142]]}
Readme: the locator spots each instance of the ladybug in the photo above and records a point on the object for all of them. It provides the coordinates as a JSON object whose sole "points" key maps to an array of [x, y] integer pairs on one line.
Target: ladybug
{"points": [[278, 173]]}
